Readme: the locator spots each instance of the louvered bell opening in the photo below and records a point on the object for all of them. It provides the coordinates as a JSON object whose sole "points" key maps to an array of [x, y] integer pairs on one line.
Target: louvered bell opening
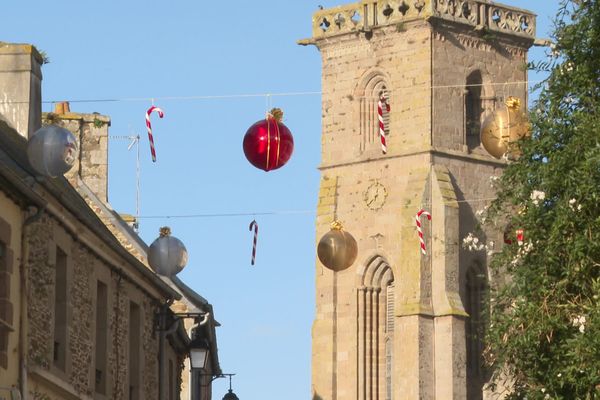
{"points": [[389, 326]]}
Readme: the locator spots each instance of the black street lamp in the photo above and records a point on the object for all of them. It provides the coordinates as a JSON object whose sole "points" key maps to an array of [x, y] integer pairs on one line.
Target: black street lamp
{"points": [[198, 353], [230, 395]]}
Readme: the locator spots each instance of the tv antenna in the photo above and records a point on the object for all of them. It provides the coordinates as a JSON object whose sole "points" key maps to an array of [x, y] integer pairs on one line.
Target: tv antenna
{"points": [[134, 140]]}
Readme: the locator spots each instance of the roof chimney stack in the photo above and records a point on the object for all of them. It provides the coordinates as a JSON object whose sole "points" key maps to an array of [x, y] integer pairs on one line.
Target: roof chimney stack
{"points": [[91, 131], [21, 87], [62, 107]]}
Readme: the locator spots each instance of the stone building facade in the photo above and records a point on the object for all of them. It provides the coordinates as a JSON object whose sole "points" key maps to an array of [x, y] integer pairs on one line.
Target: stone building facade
{"points": [[79, 306], [399, 324]]}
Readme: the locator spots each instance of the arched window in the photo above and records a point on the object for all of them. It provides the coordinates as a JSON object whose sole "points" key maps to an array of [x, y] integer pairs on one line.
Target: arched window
{"points": [[475, 329], [369, 93], [375, 316], [479, 102], [473, 109]]}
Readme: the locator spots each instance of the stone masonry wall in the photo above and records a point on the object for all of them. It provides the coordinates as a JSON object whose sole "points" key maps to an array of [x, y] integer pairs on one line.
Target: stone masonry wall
{"points": [[458, 53], [352, 65], [84, 266], [40, 291], [81, 334]]}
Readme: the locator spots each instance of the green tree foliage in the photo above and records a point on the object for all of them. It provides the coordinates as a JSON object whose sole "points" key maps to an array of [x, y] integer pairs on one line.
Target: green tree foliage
{"points": [[544, 332]]}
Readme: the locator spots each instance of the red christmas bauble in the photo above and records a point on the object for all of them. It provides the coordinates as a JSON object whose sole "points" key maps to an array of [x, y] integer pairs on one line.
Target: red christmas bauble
{"points": [[268, 144]]}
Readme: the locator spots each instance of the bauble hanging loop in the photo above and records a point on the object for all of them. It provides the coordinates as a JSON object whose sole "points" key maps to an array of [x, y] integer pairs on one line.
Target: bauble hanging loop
{"points": [[337, 249], [268, 144], [167, 255], [52, 151], [501, 130]]}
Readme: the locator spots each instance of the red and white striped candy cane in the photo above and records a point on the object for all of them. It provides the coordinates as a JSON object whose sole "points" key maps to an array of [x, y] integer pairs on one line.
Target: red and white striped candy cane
{"points": [[380, 104], [418, 221], [149, 127], [254, 225], [520, 236]]}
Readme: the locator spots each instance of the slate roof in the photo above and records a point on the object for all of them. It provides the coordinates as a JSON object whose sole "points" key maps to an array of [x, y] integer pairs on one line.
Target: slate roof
{"points": [[23, 184]]}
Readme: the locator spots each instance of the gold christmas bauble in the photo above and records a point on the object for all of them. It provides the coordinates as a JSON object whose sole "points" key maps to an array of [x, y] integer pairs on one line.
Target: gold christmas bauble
{"points": [[337, 249], [501, 130]]}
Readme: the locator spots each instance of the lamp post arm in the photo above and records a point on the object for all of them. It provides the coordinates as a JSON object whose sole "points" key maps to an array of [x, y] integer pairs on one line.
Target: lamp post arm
{"points": [[163, 332], [204, 319]]}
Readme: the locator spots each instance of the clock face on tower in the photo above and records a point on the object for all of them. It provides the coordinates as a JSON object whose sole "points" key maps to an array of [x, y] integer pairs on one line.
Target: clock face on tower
{"points": [[375, 196]]}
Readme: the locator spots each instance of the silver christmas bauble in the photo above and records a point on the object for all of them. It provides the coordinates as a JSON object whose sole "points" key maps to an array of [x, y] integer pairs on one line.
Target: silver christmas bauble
{"points": [[167, 255], [52, 150]]}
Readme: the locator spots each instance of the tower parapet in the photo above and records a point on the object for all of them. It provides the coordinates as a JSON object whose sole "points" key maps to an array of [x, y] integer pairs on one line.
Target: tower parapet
{"points": [[365, 15]]}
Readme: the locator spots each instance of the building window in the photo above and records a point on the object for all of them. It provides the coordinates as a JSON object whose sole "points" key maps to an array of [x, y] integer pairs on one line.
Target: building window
{"points": [[475, 329], [369, 96], [134, 351], [375, 331], [473, 109], [479, 102], [5, 324], [4, 331], [101, 337], [60, 310], [6, 306]]}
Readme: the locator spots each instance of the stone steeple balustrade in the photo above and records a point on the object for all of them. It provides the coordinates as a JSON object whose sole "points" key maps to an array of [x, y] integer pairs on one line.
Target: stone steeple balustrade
{"points": [[365, 15]]}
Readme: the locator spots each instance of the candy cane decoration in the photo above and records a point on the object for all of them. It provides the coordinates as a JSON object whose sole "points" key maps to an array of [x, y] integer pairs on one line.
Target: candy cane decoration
{"points": [[520, 236], [380, 104], [418, 221], [254, 225], [149, 127]]}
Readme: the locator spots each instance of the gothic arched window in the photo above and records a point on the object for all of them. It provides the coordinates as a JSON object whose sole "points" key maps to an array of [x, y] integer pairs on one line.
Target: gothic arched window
{"points": [[375, 331], [369, 94], [475, 329], [479, 102], [473, 109]]}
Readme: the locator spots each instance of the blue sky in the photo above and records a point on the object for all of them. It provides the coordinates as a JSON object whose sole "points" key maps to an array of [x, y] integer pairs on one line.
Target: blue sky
{"points": [[134, 49]]}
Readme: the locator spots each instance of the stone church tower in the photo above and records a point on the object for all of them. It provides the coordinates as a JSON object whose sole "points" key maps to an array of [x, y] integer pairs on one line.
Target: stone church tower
{"points": [[398, 324]]}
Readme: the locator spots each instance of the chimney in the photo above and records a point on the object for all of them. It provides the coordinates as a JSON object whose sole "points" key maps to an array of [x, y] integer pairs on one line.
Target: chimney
{"points": [[91, 131], [21, 87]]}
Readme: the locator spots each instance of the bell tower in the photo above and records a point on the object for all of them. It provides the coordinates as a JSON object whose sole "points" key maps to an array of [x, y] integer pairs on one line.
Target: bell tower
{"points": [[399, 324]]}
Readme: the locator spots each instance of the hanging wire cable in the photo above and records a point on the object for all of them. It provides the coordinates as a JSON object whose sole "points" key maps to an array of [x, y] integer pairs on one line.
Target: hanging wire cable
{"points": [[253, 95], [282, 212], [221, 215]]}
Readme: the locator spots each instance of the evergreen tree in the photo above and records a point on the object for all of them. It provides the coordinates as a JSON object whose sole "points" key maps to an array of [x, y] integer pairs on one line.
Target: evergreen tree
{"points": [[544, 326]]}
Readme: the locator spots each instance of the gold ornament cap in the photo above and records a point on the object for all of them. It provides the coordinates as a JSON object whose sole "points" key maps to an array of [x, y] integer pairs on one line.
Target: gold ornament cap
{"points": [[513, 103], [165, 231], [337, 226], [276, 114]]}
